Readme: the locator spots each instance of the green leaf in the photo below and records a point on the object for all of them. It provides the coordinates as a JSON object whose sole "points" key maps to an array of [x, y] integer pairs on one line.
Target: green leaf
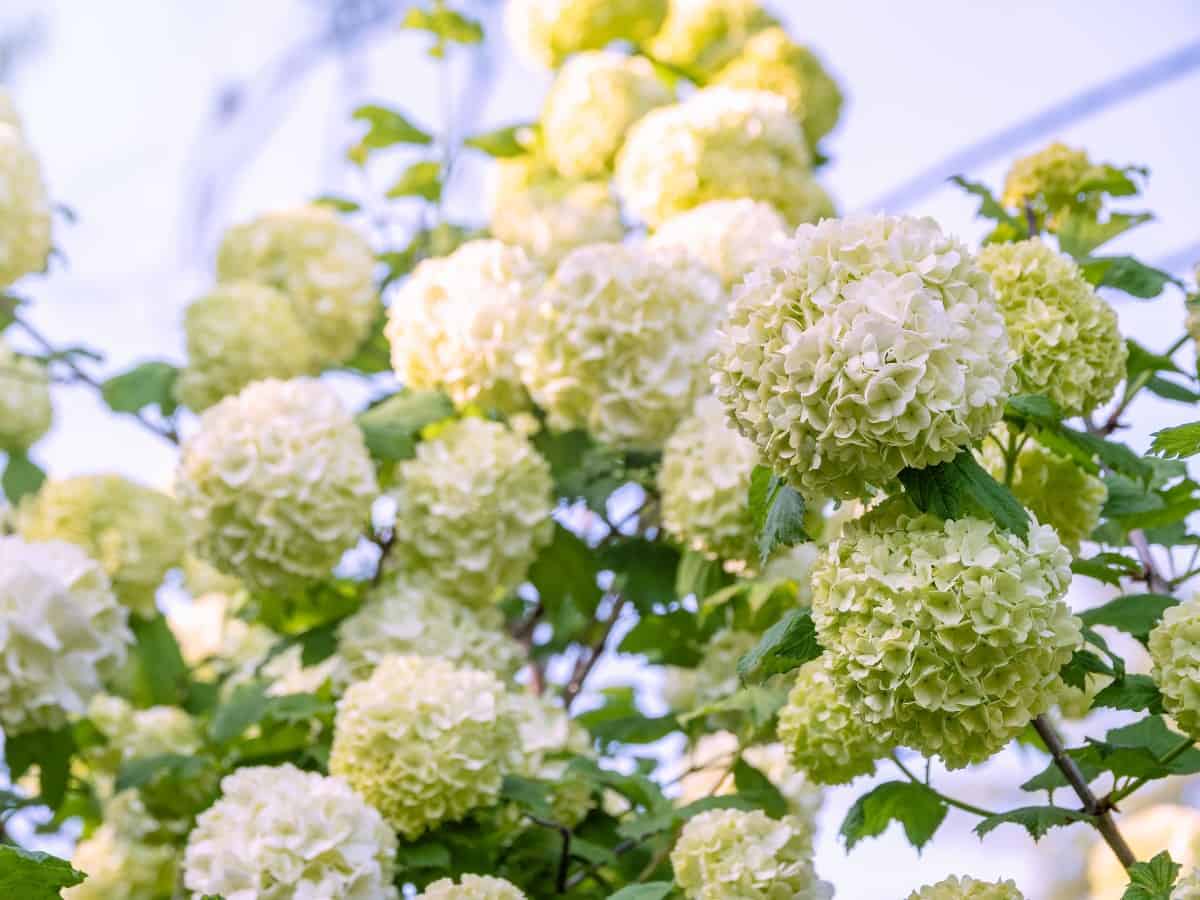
{"points": [[1133, 692], [650, 890], [1109, 568], [32, 875], [1082, 664], [789, 643], [421, 179], [758, 789], [1153, 880], [386, 128], [990, 207], [49, 750], [644, 571], [149, 384], [564, 574], [619, 721], [392, 427], [1079, 232], [1141, 360], [9, 304], [1116, 181], [1031, 409], [503, 142], [22, 476], [668, 818], [700, 576], [1177, 442], [1134, 614], [673, 638], [424, 854], [1125, 273], [1170, 390], [530, 795], [144, 769], [758, 703], [917, 808], [446, 24], [953, 489], [1037, 820], [247, 704], [159, 675], [1127, 497], [777, 510], [338, 204]]}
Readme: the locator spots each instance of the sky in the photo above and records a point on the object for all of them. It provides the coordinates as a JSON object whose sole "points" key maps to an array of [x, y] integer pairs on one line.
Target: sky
{"points": [[161, 122]]}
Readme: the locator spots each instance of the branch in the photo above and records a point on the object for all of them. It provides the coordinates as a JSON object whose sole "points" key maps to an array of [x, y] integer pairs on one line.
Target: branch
{"points": [[949, 801], [1154, 579], [564, 859], [588, 659], [1113, 798]]}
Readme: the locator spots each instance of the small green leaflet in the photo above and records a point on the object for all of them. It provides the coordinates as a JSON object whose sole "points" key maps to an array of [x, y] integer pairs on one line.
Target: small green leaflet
{"points": [[503, 142], [789, 643], [1133, 692], [960, 487], [918, 809], [51, 752], [421, 179], [1125, 273], [22, 476], [759, 789], [529, 794], [1107, 567], [1008, 227], [669, 817], [777, 510], [445, 24], [1152, 880], [651, 890], [1037, 820], [1080, 233], [32, 875], [1177, 442], [140, 771], [149, 384], [337, 204], [387, 128], [1135, 614], [392, 427]]}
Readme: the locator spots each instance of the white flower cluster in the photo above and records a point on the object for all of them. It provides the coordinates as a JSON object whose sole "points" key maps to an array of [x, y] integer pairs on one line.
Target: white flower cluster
{"points": [[123, 868], [25, 409], [24, 208], [472, 887], [714, 678], [133, 733], [966, 888], [545, 730], [731, 237], [1175, 649], [546, 32], [208, 630]]}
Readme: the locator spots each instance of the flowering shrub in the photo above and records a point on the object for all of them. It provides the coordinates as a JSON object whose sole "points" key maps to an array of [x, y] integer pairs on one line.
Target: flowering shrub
{"points": [[956, 888], [731, 237]]}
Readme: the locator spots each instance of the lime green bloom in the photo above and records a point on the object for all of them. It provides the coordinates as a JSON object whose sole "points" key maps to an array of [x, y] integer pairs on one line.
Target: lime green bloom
{"points": [[25, 410], [546, 32], [1175, 650], [24, 209], [966, 888], [702, 35], [1048, 182]]}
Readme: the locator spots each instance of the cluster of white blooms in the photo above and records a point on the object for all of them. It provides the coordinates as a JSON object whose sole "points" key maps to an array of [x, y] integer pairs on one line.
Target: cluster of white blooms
{"points": [[1049, 181], [1187, 887], [136, 533], [208, 629], [323, 266], [545, 730], [455, 324], [1175, 648], [238, 333], [868, 345], [726, 853], [719, 144], [472, 511], [1066, 338], [278, 833], [276, 484], [703, 35], [62, 633], [123, 868], [546, 32], [424, 742], [472, 887], [944, 636], [594, 100], [25, 409], [966, 888], [24, 208], [731, 237], [1148, 832], [132, 733], [715, 677], [618, 342]]}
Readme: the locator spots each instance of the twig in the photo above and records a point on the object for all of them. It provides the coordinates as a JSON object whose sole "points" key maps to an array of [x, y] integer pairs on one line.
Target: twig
{"points": [[949, 801], [1154, 579], [564, 858], [1113, 798], [591, 655]]}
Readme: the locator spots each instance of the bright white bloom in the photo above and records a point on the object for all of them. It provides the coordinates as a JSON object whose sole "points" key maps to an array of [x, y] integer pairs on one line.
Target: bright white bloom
{"points": [[424, 742], [702, 35], [133, 733], [1148, 832], [455, 325], [715, 678], [869, 344], [277, 483], [545, 32], [618, 342], [544, 730], [731, 237], [727, 853], [966, 888], [289, 675], [324, 266], [25, 410], [24, 209], [1175, 650], [472, 887], [120, 868], [593, 101], [207, 628], [278, 833]]}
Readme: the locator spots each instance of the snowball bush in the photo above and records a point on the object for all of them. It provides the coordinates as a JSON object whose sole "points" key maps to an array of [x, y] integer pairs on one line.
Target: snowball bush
{"points": [[546, 32], [121, 868], [546, 734], [966, 888], [472, 887], [702, 35], [24, 209], [1175, 649], [731, 237], [25, 409]]}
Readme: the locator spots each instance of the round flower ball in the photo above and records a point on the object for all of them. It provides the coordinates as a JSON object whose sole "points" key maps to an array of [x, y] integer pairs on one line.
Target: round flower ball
{"points": [[618, 341], [24, 209], [455, 324], [278, 833], [472, 511], [967, 888], [731, 237], [772, 61], [136, 533], [1164, 826], [725, 853], [472, 887], [25, 409], [238, 333], [1068, 344], [133, 733], [594, 100], [323, 266], [1175, 650], [826, 738], [702, 35], [867, 345], [424, 742], [62, 633], [944, 636], [545, 32], [719, 144], [1048, 182], [547, 735], [121, 868], [276, 484]]}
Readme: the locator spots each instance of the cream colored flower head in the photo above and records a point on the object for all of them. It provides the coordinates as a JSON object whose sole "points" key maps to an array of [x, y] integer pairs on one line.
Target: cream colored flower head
{"points": [[594, 100], [25, 409], [546, 733], [455, 325], [868, 345], [1048, 182], [472, 887], [136, 533], [62, 633], [1068, 344], [731, 237], [1164, 826], [726, 853], [121, 868], [278, 833], [715, 678], [324, 266], [545, 32], [1175, 651], [472, 511], [1188, 886], [276, 485], [719, 144], [24, 209], [967, 888], [702, 35], [772, 61], [618, 342], [238, 333], [133, 733], [424, 742], [944, 636]]}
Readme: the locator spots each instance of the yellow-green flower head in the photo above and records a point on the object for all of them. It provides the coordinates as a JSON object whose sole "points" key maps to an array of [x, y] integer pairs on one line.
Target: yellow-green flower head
{"points": [[424, 742], [714, 678], [25, 409], [120, 868], [826, 738], [24, 209], [136, 533], [133, 733], [719, 144], [618, 341], [703, 482], [731, 237], [532, 207], [276, 484], [702, 35], [1048, 182], [1053, 487], [472, 511], [1068, 344], [944, 636], [727, 853], [238, 333], [62, 633], [201, 577], [1187, 887], [546, 32], [1175, 650], [324, 266], [592, 103], [545, 731], [867, 345], [455, 324], [278, 833], [772, 61], [967, 888], [402, 617], [472, 887]]}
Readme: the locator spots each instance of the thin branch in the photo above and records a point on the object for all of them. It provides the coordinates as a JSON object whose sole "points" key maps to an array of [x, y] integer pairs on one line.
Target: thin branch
{"points": [[564, 858], [1116, 796], [949, 801], [591, 655]]}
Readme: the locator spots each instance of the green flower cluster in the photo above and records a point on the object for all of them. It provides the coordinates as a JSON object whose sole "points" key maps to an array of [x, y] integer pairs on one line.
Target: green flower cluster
{"points": [[546, 32], [25, 409]]}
